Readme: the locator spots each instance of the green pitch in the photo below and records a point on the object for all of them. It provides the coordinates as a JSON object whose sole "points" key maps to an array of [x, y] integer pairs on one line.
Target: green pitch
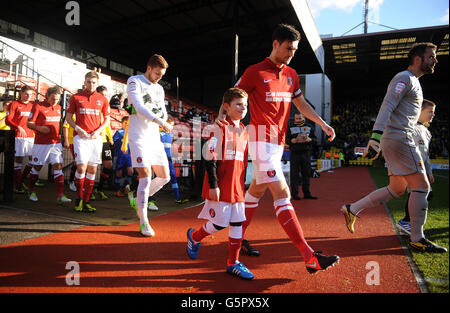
{"points": [[435, 267]]}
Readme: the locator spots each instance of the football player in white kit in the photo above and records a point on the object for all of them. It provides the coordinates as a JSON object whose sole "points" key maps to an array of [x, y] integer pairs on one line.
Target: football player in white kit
{"points": [[148, 114]]}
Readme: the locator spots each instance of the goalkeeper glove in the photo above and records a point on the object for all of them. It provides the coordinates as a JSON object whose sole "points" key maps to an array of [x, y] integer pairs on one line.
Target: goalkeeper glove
{"points": [[373, 148]]}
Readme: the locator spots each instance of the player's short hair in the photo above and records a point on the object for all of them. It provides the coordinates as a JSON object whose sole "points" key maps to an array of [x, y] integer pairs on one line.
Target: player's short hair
{"points": [[157, 60], [233, 93], [285, 32], [53, 91], [418, 49], [427, 103], [101, 88], [25, 88], [91, 74]]}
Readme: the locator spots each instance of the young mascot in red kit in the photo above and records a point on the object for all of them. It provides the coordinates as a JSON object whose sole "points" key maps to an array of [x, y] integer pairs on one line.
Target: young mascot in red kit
{"points": [[223, 188]]}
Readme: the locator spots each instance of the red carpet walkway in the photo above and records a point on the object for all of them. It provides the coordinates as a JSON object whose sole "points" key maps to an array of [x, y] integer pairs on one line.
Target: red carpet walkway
{"points": [[119, 259]]}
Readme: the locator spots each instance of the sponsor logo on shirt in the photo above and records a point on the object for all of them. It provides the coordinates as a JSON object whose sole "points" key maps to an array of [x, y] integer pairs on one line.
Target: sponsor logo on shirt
{"points": [[52, 118], [89, 111], [25, 113], [278, 96]]}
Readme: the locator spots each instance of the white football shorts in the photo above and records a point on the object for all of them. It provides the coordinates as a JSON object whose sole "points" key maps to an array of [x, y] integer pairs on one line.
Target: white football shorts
{"points": [[223, 213], [87, 151], [43, 154], [266, 160], [146, 154], [23, 146]]}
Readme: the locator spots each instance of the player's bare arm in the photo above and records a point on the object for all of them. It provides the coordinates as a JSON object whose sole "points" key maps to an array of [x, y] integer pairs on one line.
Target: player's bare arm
{"points": [[304, 107], [79, 130], [41, 129]]}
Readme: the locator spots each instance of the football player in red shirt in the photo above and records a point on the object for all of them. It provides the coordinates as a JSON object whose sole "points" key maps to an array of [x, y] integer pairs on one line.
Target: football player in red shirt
{"points": [[223, 187], [17, 119], [272, 85], [92, 116], [45, 119]]}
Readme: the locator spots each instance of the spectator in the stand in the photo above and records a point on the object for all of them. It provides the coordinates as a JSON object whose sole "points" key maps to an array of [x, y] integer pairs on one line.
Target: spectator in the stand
{"points": [[204, 116], [189, 114], [300, 136], [118, 101]]}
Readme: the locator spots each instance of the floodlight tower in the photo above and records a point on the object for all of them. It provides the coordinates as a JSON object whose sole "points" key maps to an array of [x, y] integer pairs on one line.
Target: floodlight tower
{"points": [[366, 15]]}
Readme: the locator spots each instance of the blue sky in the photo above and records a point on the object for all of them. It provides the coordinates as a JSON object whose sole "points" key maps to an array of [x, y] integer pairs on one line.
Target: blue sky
{"points": [[339, 16]]}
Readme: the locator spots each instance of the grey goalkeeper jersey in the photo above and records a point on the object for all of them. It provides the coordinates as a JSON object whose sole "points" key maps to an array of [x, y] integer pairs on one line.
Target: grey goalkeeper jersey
{"points": [[400, 110]]}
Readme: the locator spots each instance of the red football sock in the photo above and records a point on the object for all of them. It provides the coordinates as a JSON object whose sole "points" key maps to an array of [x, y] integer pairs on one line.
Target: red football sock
{"points": [[288, 220], [17, 176], [26, 171], [88, 186], [200, 233], [79, 183], [234, 246], [33, 179], [59, 181]]}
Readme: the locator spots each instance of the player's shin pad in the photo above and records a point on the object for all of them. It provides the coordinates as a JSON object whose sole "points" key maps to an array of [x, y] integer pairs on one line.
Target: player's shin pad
{"points": [[373, 147]]}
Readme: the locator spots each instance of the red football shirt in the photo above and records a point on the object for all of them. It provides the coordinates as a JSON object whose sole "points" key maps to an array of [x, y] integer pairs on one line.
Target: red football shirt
{"points": [[18, 116], [229, 148], [270, 90], [44, 114], [89, 109]]}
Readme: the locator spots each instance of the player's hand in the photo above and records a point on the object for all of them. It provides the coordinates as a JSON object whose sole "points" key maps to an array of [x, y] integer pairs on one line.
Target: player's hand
{"points": [[81, 132], [94, 135], [221, 121], [373, 148], [329, 131], [66, 144], [22, 131], [214, 194], [431, 178], [166, 127]]}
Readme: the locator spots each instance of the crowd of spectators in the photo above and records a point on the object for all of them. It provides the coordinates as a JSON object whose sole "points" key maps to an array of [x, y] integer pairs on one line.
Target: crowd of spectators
{"points": [[353, 122]]}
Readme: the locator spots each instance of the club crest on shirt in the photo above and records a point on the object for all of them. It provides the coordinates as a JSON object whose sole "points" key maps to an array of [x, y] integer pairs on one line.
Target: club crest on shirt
{"points": [[98, 102], [271, 173], [35, 159], [212, 213], [290, 81], [139, 159], [421, 164]]}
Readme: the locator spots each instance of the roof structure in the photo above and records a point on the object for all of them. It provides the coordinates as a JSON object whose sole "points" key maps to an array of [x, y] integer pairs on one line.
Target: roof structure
{"points": [[195, 36], [366, 63]]}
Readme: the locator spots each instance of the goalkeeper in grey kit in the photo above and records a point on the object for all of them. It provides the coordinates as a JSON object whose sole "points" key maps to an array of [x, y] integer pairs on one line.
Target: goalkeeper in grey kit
{"points": [[392, 135]]}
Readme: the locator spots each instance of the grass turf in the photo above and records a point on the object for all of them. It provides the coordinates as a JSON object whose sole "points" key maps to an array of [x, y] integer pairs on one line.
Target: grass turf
{"points": [[435, 267]]}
